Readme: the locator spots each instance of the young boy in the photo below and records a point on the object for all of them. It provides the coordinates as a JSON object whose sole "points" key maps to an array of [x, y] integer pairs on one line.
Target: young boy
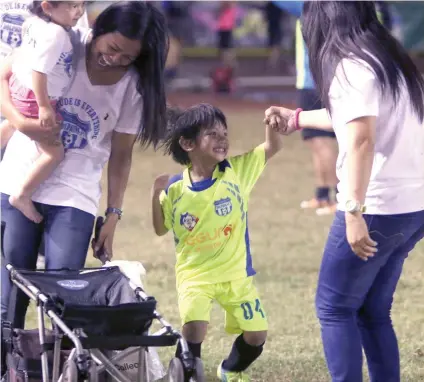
{"points": [[206, 208]]}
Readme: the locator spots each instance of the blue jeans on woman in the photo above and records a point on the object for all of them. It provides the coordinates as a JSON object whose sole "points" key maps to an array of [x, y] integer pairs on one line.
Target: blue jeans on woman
{"points": [[354, 297], [67, 232]]}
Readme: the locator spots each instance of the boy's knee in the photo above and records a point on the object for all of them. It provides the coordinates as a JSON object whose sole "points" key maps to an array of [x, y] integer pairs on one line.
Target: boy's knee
{"points": [[195, 331], [255, 338]]}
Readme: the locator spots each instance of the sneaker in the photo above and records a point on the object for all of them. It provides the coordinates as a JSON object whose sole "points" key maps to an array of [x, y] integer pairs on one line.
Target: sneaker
{"points": [[313, 203], [330, 209], [231, 376]]}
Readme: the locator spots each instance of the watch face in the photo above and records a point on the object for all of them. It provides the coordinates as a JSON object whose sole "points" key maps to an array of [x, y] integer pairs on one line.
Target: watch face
{"points": [[351, 205]]}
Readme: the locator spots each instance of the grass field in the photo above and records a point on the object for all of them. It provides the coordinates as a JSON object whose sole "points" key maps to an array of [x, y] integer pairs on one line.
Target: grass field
{"points": [[286, 247]]}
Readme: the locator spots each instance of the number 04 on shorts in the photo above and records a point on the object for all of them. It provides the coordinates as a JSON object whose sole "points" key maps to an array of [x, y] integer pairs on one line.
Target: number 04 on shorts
{"points": [[239, 299]]}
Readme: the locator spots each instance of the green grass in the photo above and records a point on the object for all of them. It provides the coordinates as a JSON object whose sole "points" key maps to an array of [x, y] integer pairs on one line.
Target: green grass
{"points": [[287, 244]]}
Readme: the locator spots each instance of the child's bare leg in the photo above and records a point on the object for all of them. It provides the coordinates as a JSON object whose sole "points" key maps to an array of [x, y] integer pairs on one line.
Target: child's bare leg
{"points": [[194, 332], [49, 159], [6, 132]]}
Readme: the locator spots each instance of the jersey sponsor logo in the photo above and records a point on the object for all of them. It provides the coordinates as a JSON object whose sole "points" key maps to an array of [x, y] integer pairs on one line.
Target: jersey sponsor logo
{"points": [[208, 240], [223, 207], [76, 131], [188, 221], [11, 29]]}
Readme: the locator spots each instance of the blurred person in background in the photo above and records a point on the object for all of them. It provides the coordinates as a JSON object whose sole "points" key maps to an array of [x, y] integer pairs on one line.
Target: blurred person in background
{"points": [[322, 144], [374, 100], [222, 76], [176, 13], [274, 17]]}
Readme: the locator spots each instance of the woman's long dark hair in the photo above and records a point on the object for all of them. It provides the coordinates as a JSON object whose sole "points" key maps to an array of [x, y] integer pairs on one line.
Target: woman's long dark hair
{"points": [[139, 20], [335, 29]]}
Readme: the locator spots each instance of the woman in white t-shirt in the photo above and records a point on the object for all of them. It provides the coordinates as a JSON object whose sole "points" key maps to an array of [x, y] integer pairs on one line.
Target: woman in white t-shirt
{"points": [[42, 71], [117, 97], [375, 97]]}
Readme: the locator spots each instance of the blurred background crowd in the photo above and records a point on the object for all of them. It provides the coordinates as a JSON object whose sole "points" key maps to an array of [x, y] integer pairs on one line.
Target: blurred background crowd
{"points": [[255, 38]]}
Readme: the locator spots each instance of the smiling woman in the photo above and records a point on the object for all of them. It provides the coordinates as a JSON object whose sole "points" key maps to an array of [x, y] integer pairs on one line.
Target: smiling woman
{"points": [[116, 98]]}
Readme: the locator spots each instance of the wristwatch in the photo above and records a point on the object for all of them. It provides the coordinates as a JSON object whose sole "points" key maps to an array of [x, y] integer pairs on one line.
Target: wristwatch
{"points": [[112, 210], [353, 206]]}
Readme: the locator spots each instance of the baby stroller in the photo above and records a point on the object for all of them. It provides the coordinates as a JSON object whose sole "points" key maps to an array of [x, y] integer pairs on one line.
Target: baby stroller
{"points": [[98, 318]]}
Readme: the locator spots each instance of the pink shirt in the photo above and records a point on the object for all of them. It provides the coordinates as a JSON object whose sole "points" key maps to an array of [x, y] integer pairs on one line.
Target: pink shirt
{"points": [[227, 19]]}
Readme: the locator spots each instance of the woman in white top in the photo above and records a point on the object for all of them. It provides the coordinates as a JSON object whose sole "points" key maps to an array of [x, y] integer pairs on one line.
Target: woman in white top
{"points": [[374, 95], [116, 98]]}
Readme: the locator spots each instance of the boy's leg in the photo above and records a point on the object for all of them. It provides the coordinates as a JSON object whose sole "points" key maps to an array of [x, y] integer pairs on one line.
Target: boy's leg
{"points": [[194, 303], [48, 160], [6, 132], [244, 314]]}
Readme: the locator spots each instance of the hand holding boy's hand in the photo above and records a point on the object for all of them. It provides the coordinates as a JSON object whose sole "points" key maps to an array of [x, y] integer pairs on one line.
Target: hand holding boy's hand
{"points": [[47, 116], [160, 183]]}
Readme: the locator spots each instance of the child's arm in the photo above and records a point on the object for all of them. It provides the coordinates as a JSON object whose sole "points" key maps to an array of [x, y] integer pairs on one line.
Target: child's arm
{"points": [[158, 217], [46, 113], [273, 142]]}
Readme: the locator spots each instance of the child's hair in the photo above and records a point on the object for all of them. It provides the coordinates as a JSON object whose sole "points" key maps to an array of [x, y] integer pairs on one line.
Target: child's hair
{"points": [[187, 124], [36, 9]]}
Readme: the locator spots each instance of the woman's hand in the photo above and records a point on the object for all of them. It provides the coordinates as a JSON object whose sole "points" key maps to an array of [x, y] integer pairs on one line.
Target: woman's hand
{"points": [[280, 119], [358, 236], [103, 247]]}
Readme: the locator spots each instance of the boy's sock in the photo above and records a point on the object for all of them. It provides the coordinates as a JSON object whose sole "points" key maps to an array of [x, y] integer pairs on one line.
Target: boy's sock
{"points": [[194, 348], [322, 193], [242, 355]]}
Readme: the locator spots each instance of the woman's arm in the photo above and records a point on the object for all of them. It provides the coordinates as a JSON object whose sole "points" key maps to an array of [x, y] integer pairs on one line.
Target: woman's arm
{"points": [[119, 167], [118, 172], [158, 217], [360, 155], [315, 119], [285, 119], [273, 142]]}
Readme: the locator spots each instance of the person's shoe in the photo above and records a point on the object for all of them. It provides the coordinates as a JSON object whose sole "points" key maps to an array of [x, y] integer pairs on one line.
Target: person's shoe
{"points": [[313, 203], [329, 209], [231, 376]]}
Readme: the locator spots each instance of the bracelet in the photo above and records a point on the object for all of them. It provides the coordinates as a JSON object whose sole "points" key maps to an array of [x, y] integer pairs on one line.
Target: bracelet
{"points": [[296, 118], [112, 210]]}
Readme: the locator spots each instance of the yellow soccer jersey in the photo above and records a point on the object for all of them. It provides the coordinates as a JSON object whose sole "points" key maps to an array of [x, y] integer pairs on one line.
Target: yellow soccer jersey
{"points": [[209, 220]]}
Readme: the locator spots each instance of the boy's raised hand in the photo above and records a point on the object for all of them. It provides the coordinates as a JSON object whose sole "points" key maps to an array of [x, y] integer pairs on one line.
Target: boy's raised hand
{"points": [[160, 183]]}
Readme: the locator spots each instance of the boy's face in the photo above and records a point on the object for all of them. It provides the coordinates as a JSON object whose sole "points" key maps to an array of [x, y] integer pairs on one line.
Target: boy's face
{"points": [[212, 144]]}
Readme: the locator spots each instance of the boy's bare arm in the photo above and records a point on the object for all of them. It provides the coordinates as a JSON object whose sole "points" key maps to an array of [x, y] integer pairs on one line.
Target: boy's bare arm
{"points": [[158, 218], [273, 142]]}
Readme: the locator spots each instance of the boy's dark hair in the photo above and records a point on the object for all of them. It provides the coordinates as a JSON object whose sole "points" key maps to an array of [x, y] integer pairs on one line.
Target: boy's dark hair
{"points": [[187, 124], [35, 9]]}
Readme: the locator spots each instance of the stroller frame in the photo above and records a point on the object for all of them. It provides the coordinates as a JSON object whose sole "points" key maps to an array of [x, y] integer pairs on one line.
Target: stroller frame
{"points": [[90, 363]]}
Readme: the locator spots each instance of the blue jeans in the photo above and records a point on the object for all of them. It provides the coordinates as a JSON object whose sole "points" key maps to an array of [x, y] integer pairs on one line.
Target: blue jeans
{"points": [[67, 232], [354, 297]]}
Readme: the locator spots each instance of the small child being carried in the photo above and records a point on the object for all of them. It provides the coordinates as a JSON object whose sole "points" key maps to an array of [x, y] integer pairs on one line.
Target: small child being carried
{"points": [[42, 72]]}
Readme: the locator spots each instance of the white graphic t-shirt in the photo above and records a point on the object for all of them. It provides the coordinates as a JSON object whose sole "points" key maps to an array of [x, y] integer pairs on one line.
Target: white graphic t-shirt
{"points": [[12, 16], [91, 114], [46, 48]]}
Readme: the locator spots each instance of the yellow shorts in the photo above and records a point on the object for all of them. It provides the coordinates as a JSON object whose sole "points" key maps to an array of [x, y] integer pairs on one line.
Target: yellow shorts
{"points": [[239, 298]]}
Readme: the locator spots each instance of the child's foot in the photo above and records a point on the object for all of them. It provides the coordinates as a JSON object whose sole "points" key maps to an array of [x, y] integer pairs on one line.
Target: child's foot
{"points": [[26, 206], [231, 376]]}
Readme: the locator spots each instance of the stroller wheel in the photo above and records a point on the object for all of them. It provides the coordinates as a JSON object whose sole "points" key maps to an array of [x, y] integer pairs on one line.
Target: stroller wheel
{"points": [[176, 370], [70, 372], [199, 372]]}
